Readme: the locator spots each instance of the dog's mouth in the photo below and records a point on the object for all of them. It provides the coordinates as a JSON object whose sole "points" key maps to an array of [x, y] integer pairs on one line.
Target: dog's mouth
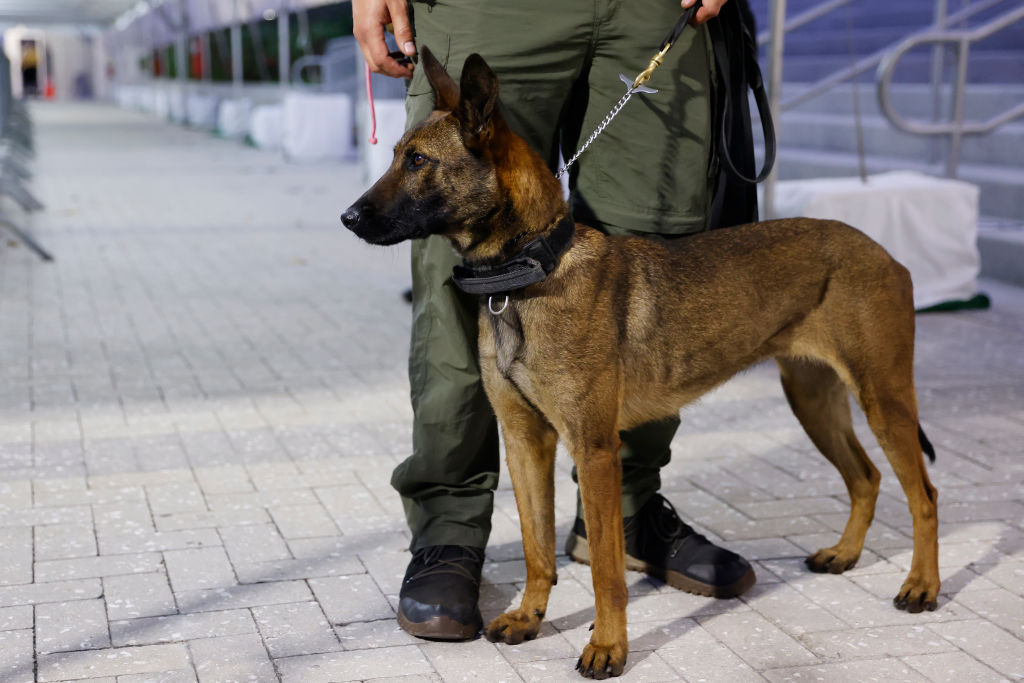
{"points": [[390, 238], [373, 228]]}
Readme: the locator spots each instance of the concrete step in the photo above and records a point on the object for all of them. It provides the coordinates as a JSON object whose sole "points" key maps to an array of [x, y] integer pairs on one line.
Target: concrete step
{"points": [[837, 132], [861, 14], [995, 66], [982, 101], [864, 41], [869, 14], [1002, 189], [1002, 252]]}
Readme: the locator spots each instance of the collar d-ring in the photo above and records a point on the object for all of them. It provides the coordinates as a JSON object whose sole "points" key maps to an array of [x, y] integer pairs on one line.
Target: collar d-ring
{"points": [[490, 305]]}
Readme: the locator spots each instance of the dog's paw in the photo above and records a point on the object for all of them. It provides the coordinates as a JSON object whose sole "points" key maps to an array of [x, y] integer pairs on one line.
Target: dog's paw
{"points": [[513, 627], [917, 595], [831, 561], [602, 661]]}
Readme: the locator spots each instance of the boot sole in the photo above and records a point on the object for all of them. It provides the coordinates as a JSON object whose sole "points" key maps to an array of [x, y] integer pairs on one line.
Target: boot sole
{"points": [[439, 628], [579, 550]]}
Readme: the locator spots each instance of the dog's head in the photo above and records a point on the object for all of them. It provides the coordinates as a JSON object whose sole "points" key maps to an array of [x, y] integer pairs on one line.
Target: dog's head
{"points": [[460, 173]]}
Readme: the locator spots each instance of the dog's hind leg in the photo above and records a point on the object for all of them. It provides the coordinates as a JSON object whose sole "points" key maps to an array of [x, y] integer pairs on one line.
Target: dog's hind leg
{"points": [[820, 401], [530, 452], [890, 404]]}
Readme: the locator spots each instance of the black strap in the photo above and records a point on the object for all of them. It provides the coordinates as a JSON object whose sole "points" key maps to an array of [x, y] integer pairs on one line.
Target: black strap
{"points": [[531, 265], [763, 109], [749, 49], [685, 18]]}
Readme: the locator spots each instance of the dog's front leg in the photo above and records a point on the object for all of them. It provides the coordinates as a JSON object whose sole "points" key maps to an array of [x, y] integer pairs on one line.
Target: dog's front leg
{"points": [[530, 443], [599, 470]]}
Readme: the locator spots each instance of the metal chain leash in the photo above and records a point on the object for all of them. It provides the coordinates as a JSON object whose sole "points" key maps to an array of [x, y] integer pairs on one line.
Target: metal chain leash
{"points": [[635, 85], [597, 131]]}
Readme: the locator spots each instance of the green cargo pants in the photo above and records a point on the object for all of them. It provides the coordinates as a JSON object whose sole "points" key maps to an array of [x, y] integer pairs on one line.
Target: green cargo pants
{"points": [[649, 173]]}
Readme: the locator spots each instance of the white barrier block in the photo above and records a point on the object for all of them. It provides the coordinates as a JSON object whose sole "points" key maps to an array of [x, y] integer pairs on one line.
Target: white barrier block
{"points": [[161, 103], [201, 110], [233, 117], [928, 224], [266, 126], [145, 99], [375, 159], [177, 110], [317, 126]]}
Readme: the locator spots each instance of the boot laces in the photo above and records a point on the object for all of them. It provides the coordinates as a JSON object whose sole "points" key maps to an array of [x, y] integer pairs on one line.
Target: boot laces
{"points": [[667, 526], [433, 563]]}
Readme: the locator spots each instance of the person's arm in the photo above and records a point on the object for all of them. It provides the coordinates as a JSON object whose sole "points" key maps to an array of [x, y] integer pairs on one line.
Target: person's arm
{"points": [[708, 10], [369, 17]]}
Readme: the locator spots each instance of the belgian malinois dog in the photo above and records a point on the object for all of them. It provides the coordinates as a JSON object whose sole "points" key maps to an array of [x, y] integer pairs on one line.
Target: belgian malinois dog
{"points": [[623, 331]]}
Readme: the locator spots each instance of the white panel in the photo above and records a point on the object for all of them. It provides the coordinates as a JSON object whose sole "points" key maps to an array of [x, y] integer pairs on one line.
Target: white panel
{"points": [[930, 225]]}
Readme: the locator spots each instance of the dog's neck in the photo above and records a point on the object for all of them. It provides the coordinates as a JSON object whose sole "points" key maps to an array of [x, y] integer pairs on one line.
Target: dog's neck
{"points": [[533, 199]]}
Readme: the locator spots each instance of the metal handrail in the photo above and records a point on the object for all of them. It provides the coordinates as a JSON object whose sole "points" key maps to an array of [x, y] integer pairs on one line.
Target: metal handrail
{"points": [[875, 58], [775, 37], [805, 17], [956, 128]]}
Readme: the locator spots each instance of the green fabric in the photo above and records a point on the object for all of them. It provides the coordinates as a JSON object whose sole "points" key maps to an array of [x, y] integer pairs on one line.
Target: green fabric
{"points": [[977, 302], [649, 173]]}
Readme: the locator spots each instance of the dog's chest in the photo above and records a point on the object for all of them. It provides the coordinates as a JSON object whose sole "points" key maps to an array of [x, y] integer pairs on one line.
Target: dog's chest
{"points": [[508, 338]]}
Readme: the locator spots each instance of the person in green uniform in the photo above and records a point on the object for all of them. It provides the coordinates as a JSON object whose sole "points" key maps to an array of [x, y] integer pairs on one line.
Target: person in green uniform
{"points": [[651, 173]]}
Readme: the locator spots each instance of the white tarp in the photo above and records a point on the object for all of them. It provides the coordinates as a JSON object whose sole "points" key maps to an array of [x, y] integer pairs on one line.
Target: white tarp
{"points": [[317, 126], [928, 224]]}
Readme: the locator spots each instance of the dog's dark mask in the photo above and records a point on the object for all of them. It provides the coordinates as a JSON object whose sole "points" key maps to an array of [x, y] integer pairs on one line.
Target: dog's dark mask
{"points": [[442, 179]]}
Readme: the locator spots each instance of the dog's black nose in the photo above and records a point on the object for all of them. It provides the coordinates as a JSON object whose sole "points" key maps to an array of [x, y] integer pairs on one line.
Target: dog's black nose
{"points": [[350, 217]]}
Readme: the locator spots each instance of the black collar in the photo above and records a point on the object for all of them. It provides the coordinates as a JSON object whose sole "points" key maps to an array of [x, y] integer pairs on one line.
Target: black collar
{"points": [[531, 265]]}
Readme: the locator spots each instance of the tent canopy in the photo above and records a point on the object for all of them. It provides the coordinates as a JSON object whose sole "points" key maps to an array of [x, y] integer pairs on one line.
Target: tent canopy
{"points": [[163, 21], [36, 12]]}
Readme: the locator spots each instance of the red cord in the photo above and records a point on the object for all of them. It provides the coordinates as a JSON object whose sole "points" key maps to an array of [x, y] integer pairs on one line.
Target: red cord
{"points": [[373, 114]]}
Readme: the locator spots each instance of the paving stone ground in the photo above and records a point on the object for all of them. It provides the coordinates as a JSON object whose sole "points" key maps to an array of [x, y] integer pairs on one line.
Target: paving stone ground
{"points": [[203, 397]]}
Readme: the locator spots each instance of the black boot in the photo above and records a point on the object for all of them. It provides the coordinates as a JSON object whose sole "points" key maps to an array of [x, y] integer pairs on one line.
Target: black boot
{"points": [[440, 592], [664, 546]]}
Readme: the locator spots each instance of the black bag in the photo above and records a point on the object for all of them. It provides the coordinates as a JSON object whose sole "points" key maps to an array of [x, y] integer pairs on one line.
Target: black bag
{"points": [[733, 39]]}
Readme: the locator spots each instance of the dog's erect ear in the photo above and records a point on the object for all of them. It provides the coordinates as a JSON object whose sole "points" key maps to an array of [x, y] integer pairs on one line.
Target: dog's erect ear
{"points": [[479, 98], [446, 90]]}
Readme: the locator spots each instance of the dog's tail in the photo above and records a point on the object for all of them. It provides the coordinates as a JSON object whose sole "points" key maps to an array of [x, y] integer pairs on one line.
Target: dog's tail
{"points": [[926, 445]]}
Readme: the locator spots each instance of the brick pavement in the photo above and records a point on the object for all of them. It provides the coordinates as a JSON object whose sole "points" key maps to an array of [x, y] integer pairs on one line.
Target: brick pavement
{"points": [[203, 397]]}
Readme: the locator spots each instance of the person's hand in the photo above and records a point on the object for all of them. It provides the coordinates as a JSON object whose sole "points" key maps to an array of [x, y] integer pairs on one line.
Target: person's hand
{"points": [[708, 10], [369, 17]]}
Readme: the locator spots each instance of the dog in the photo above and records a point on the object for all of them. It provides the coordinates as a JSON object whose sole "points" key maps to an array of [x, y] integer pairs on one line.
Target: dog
{"points": [[608, 333]]}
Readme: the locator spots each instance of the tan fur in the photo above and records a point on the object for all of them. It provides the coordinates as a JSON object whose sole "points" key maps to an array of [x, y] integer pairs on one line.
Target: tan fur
{"points": [[627, 330]]}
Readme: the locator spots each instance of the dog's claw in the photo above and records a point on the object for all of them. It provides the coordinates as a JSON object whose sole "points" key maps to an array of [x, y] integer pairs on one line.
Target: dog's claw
{"points": [[830, 560], [513, 627], [915, 600], [601, 662]]}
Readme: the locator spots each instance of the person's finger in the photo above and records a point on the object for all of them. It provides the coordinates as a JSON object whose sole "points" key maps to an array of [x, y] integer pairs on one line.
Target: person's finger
{"points": [[709, 9], [402, 27], [705, 13], [368, 29]]}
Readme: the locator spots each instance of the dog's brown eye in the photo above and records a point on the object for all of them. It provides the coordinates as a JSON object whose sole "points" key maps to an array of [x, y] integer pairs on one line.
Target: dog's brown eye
{"points": [[418, 159]]}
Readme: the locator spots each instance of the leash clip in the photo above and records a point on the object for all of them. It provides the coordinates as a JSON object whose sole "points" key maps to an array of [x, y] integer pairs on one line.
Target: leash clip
{"points": [[490, 305], [645, 75]]}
